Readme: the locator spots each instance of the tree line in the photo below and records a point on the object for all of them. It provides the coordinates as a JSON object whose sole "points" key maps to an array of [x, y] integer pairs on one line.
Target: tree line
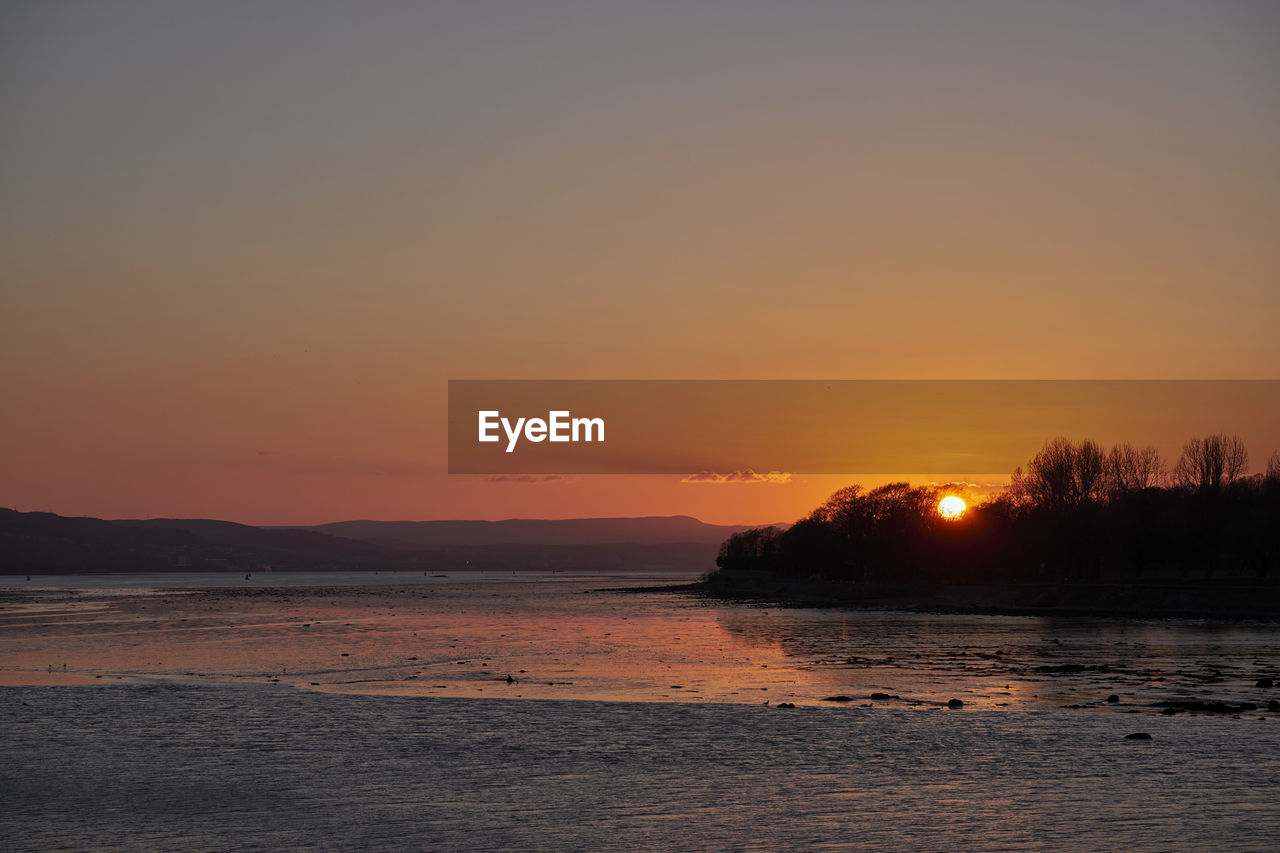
{"points": [[1075, 513]]}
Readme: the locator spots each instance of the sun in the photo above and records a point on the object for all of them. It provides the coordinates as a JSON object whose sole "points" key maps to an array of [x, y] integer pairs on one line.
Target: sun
{"points": [[951, 507]]}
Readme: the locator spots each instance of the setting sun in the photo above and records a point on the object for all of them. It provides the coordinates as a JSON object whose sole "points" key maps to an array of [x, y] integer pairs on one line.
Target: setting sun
{"points": [[951, 507]]}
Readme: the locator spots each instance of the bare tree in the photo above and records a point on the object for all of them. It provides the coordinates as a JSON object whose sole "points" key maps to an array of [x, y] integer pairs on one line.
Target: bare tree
{"points": [[1049, 480], [1211, 462], [1090, 469], [1020, 493], [1063, 474], [1130, 469], [1273, 466]]}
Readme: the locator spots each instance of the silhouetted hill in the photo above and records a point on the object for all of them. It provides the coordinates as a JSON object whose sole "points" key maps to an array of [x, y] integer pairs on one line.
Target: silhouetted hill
{"points": [[41, 542], [296, 542], [648, 530], [44, 543]]}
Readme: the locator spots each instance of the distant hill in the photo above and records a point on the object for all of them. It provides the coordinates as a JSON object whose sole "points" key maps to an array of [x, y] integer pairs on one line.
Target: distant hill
{"points": [[684, 557], [284, 541], [645, 530], [41, 542], [44, 543]]}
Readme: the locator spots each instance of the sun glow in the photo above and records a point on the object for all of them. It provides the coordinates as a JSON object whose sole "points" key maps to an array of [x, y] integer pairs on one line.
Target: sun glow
{"points": [[951, 507]]}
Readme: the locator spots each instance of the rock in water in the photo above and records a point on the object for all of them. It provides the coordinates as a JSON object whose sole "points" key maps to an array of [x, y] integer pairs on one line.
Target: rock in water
{"points": [[1138, 736], [1113, 699], [1265, 683], [955, 703]]}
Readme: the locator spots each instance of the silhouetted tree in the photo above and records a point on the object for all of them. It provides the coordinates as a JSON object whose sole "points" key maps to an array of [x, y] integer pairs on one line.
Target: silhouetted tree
{"points": [[1211, 462], [749, 549], [872, 527], [839, 506], [813, 548], [1130, 469], [1063, 475], [1051, 524]]}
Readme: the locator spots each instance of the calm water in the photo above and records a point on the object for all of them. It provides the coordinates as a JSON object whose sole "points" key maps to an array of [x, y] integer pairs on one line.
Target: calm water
{"points": [[381, 715]]}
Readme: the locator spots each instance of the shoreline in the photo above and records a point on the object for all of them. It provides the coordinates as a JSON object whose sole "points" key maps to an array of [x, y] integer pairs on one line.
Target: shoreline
{"points": [[1211, 602]]}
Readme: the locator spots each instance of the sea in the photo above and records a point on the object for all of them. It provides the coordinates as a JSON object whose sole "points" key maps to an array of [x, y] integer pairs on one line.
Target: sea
{"points": [[549, 711]]}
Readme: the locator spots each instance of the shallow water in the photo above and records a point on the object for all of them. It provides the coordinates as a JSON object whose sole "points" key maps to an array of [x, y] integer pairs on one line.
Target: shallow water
{"points": [[174, 767], [142, 582], [579, 638], [345, 716]]}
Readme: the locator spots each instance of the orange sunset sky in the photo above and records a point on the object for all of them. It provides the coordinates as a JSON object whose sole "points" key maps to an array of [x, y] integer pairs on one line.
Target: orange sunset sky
{"points": [[244, 246]]}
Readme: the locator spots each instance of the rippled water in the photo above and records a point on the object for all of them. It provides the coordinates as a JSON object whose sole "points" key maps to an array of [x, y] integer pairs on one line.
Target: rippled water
{"points": [[147, 767], [381, 716]]}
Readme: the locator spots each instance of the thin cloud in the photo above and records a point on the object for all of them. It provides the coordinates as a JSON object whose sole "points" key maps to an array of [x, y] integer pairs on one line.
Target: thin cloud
{"points": [[524, 478], [743, 476]]}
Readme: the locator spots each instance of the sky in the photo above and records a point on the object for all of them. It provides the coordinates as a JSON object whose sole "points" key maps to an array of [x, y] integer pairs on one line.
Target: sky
{"points": [[244, 246]]}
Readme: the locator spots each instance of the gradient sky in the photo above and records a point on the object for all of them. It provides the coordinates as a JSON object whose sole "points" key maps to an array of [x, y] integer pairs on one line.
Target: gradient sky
{"points": [[244, 245]]}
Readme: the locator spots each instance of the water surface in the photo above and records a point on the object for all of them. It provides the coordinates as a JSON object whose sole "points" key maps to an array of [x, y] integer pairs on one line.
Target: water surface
{"points": [[554, 712], [551, 636]]}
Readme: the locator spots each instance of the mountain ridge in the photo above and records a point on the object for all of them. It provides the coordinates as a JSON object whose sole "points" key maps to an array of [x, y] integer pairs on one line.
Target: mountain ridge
{"points": [[638, 530], [39, 543]]}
